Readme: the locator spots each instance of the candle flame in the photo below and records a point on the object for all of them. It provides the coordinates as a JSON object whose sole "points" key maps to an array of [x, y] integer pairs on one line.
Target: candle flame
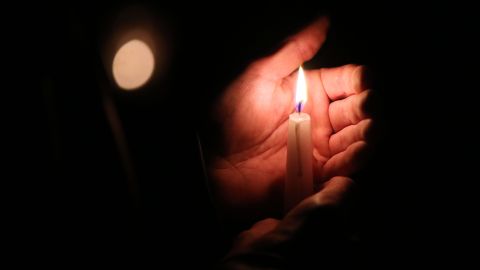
{"points": [[301, 95]]}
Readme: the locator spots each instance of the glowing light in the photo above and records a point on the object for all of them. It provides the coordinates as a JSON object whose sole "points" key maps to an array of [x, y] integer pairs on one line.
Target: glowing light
{"points": [[301, 94], [133, 65]]}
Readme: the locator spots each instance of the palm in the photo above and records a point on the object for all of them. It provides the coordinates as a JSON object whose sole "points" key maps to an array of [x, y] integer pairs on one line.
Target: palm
{"points": [[248, 174]]}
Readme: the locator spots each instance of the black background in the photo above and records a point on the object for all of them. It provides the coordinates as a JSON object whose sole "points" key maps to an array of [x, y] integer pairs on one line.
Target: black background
{"points": [[416, 202]]}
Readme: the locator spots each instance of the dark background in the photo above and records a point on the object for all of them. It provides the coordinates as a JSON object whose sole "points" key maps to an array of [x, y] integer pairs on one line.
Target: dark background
{"points": [[416, 202]]}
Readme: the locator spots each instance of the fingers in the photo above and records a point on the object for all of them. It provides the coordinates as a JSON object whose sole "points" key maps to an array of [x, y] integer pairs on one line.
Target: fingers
{"points": [[298, 49], [344, 81], [333, 193], [348, 111], [341, 140], [258, 230], [264, 226], [346, 162], [317, 106]]}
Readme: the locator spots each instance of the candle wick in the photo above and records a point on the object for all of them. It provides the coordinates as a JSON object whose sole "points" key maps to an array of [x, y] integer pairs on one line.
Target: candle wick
{"points": [[299, 107]]}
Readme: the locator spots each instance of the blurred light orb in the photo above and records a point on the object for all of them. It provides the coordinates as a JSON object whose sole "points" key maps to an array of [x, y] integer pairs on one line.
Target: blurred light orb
{"points": [[133, 65]]}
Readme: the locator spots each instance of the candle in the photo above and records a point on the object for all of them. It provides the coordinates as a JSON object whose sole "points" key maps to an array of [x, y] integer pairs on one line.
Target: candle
{"points": [[299, 178]]}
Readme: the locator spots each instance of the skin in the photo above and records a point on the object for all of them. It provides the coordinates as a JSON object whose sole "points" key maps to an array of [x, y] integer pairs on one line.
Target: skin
{"points": [[267, 235], [249, 170]]}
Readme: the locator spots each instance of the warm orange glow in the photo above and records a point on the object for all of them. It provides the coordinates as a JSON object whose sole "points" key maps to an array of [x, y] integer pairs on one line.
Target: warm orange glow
{"points": [[133, 65], [301, 95]]}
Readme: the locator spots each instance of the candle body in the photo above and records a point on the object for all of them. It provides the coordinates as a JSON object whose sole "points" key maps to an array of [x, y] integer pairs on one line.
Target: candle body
{"points": [[299, 177]]}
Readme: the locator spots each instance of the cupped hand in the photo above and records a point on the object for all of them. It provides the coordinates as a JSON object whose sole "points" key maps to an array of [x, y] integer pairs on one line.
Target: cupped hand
{"points": [[248, 169]]}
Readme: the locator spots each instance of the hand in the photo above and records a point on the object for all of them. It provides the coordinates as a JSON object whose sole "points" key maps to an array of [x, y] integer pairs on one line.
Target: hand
{"points": [[248, 168], [316, 227]]}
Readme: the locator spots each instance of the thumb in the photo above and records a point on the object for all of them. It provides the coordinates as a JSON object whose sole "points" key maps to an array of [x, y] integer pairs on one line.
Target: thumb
{"points": [[246, 238], [299, 48], [332, 195]]}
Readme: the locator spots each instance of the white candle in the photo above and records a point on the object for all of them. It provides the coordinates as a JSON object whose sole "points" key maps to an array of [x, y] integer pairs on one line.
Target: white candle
{"points": [[299, 178]]}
